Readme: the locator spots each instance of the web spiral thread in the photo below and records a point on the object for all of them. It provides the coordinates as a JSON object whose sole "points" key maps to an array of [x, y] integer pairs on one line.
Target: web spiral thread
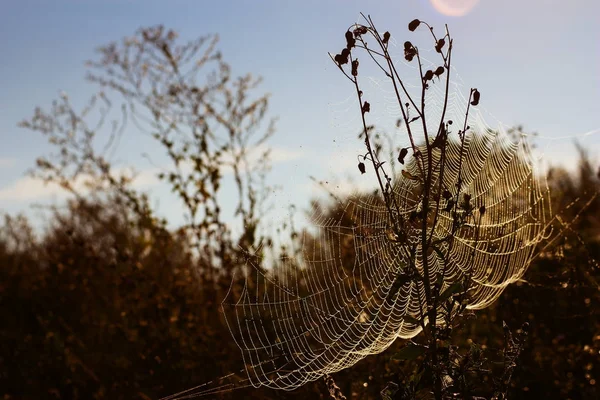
{"points": [[344, 298]]}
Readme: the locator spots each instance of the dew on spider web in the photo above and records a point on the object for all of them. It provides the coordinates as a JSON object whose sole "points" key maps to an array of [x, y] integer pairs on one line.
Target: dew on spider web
{"points": [[350, 307], [342, 299]]}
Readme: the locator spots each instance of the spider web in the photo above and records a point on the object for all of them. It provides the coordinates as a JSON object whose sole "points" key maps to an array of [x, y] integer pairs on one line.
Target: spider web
{"points": [[346, 297]]}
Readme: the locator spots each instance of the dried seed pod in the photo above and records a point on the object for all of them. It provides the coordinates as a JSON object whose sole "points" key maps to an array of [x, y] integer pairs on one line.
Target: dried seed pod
{"points": [[409, 51], [414, 24], [366, 107], [342, 58], [386, 37], [355, 67], [361, 30], [440, 45], [475, 97], [350, 41], [410, 176], [361, 167], [403, 153]]}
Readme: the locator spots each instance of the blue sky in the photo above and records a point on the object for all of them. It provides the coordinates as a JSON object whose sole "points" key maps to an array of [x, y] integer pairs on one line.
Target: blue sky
{"points": [[536, 63]]}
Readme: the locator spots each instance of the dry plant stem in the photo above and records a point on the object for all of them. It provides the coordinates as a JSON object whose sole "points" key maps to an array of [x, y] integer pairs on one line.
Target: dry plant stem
{"points": [[375, 34], [440, 189], [372, 155], [404, 113], [388, 58], [462, 136], [460, 159], [428, 186], [432, 298], [442, 130], [433, 338], [426, 178], [390, 74]]}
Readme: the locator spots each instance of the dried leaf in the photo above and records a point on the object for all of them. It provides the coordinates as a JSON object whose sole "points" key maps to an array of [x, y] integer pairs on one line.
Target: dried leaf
{"points": [[361, 30], [361, 167], [366, 107], [386, 37], [475, 97], [355, 67], [350, 41], [414, 24], [410, 176], [409, 51], [440, 45], [403, 153], [340, 59]]}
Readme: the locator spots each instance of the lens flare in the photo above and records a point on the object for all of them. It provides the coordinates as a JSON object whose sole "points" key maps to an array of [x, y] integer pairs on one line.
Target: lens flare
{"points": [[454, 8]]}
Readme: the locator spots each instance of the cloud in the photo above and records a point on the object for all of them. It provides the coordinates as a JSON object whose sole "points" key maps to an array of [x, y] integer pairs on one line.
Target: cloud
{"points": [[29, 188], [281, 154], [339, 187], [339, 174], [277, 155]]}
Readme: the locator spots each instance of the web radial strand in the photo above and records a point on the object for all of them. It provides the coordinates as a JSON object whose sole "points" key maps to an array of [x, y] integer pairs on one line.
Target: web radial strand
{"points": [[347, 297]]}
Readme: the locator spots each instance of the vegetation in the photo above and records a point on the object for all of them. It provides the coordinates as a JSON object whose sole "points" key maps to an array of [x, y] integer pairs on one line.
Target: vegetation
{"points": [[108, 303]]}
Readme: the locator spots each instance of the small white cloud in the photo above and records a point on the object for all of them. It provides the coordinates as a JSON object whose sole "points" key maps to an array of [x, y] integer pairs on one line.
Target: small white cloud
{"points": [[253, 155], [141, 179], [340, 175], [280, 154], [29, 188], [341, 188], [276, 155]]}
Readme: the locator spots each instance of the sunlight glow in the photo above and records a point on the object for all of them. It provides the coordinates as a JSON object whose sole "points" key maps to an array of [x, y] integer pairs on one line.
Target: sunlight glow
{"points": [[454, 8]]}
